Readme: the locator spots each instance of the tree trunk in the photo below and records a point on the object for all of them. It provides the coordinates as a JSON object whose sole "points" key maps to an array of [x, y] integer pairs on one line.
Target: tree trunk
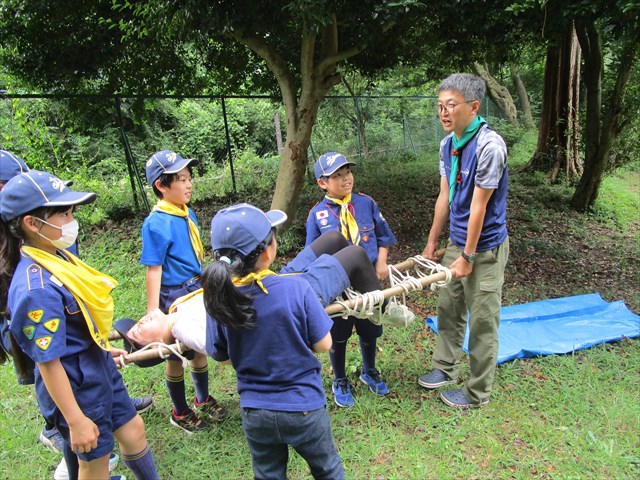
{"points": [[548, 115], [601, 130], [293, 163], [523, 97], [499, 94], [558, 135]]}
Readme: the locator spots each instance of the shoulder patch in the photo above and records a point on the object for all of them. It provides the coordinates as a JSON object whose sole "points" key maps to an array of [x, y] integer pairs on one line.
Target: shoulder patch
{"points": [[52, 325], [35, 315], [43, 342], [29, 331], [34, 277], [322, 214]]}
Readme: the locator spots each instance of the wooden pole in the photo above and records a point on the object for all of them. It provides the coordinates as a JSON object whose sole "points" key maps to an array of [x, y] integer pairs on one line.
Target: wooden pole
{"points": [[405, 265]]}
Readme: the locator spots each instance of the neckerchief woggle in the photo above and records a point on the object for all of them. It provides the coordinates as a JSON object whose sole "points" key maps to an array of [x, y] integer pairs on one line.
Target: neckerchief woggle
{"points": [[194, 235], [348, 225], [90, 288], [253, 277], [456, 152]]}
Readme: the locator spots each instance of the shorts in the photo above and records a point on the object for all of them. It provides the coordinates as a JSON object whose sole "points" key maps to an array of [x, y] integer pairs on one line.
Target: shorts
{"points": [[101, 395], [325, 274]]}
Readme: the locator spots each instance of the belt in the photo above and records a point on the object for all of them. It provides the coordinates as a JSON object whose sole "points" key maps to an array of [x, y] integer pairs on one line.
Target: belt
{"points": [[190, 282]]}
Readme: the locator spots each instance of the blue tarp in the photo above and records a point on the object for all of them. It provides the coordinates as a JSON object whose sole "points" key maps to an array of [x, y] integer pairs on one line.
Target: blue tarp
{"points": [[561, 325]]}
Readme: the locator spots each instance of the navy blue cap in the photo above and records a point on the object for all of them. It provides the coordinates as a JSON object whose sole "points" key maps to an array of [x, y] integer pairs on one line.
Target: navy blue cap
{"points": [[10, 166], [35, 189], [243, 227], [329, 163], [165, 161]]}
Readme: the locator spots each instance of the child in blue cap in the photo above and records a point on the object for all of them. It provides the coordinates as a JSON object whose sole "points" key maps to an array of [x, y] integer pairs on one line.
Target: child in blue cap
{"points": [[268, 327], [10, 166], [357, 217], [173, 254], [60, 311]]}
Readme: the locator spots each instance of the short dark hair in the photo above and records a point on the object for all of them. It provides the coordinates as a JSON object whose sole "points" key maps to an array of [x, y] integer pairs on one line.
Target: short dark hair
{"points": [[166, 179]]}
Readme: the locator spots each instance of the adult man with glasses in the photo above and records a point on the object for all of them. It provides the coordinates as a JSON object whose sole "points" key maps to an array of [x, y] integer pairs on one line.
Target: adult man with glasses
{"points": [[473, 197]]}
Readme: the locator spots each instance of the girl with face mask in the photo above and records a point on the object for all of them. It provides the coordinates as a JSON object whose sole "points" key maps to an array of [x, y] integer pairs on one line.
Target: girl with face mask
{"points": [[60, 311]]}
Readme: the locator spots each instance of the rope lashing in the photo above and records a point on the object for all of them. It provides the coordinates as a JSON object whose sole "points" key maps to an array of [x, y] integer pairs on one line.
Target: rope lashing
{"points": [[366, 305], [156, 350], [362, 305]]}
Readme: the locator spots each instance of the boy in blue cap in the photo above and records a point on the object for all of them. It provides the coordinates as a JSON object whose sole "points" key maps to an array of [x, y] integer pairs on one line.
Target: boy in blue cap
{"points": [[173, 254], [61, 312], [358, 218]]}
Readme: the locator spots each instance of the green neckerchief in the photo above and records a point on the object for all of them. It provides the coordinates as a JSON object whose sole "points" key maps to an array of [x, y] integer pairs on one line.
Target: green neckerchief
{"points": [[456, 152]]}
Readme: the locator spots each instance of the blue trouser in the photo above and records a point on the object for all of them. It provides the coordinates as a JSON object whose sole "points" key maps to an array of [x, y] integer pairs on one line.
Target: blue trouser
{"points": [[269, 434]]}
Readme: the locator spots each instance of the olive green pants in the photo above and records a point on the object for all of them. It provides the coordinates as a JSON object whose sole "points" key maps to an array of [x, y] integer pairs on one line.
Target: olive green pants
{"points": [[478, 297]]}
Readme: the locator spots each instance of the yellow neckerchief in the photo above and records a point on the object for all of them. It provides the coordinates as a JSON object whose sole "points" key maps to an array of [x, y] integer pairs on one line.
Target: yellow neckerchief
{"points": [[90, 288], [348, 225], [254, 277], [183, 299], [194, 235]]}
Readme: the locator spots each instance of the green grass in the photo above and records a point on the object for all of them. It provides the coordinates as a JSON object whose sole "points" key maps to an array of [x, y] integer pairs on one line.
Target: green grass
{"points": [[570, 416]]}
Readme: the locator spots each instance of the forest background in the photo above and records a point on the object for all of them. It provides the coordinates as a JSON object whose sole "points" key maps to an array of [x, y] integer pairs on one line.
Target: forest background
{"points": [[89, 90]]}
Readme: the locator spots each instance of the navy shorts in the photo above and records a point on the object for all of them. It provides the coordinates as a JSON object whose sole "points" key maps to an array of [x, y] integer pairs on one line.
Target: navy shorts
{"points": [[325, 274], [102, 397]]}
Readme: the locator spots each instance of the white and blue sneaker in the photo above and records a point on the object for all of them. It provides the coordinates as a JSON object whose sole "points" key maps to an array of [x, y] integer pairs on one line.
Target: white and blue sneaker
{"points": [[342, 392], [371, 378]]}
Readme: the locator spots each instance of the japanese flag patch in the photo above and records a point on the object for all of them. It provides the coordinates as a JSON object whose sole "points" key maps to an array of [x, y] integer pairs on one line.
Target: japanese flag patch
{"points": [[322, 214], [43, 342], [35, 315]]}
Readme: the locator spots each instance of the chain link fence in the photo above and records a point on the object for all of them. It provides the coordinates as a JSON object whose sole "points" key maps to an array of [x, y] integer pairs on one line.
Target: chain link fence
{"points": [[110, 138]]}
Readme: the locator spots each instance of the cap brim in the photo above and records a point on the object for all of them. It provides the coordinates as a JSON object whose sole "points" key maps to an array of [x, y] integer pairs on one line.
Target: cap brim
{"points": [[72, 198], [123, 326], [180, 165], [328, 173], [276, 217]]}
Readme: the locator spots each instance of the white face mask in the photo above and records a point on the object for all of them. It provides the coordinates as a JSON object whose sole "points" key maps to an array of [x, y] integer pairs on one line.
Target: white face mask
{"points": [[69, 234]]}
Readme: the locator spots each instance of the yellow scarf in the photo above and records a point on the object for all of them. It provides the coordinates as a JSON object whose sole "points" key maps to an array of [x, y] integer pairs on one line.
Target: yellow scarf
{"points": [[90, 288], [194, 234], [253, 277], [348, 225], [184, 298]]}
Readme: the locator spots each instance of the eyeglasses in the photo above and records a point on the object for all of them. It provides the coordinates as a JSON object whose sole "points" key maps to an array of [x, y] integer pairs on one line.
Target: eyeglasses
{"points": [[440, 108]]}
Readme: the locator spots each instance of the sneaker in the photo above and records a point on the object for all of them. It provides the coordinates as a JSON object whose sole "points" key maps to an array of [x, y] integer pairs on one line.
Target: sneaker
{"points": [[62, 471], [434, 379], [117, 477], [342, 392], [142, 404], [211, 408], [51, 439], [398, 314], [189, 422], [457, 399], [371, 378], [113, 461]]}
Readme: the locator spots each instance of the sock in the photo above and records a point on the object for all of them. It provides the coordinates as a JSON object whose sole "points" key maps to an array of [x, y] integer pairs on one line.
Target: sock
{"points": [[72, 461], [200, 377], [175, 385], [337, 355], [141, 464], [368, 349]]}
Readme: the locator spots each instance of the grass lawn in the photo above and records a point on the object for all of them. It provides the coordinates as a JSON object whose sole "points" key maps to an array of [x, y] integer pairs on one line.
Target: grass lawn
{"points": [[559, 417]]}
